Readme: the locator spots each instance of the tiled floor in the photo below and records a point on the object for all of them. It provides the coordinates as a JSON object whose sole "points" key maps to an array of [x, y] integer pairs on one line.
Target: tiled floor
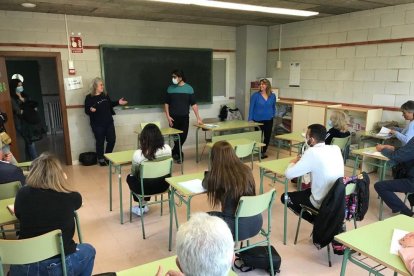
{"points": [[121, 246]]}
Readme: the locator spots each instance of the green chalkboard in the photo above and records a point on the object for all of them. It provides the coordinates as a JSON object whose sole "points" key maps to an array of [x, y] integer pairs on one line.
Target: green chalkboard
{"points": [[142, 74]]}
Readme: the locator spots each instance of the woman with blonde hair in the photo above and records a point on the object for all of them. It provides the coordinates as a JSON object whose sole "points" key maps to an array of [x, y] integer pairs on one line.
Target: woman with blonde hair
{"points": [[47, 203], [262, 110], [227, 181], [100, 109], [339, 127]]}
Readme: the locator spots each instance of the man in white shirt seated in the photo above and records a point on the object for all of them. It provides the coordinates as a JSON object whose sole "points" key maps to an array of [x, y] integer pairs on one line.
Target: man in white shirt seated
{"points": [[326, 165]]}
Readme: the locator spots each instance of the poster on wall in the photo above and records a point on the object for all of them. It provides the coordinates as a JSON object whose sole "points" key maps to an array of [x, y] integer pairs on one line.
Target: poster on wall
{"points": [[294, 74]]}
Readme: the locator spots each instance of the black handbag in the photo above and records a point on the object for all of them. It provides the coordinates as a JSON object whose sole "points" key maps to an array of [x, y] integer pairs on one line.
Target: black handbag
{"points": [[257, 257], [88, 158]]}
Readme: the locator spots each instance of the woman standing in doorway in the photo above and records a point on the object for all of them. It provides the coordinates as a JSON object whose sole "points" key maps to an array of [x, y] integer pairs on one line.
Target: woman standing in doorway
{"points": [[100, 109], [262, 110], [180, 96]]}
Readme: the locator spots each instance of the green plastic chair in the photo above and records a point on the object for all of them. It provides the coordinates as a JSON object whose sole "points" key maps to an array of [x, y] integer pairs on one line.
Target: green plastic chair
{"points": [[343, 144], [20, 252], [251, 206], [245, 150], [349, 189], [151, 169], [9, 190]]}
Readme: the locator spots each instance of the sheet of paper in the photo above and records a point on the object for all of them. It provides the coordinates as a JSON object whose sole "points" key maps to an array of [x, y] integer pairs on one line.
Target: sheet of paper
{"points": [[210, 125], [396, 236], [11, 208], [375, 153], [193, 186], [384, 132]]}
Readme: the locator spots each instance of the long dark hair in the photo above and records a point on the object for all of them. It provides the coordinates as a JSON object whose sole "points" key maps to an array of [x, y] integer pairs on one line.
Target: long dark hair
{"points": [[13, 83], [151, 140], [229, 178]]}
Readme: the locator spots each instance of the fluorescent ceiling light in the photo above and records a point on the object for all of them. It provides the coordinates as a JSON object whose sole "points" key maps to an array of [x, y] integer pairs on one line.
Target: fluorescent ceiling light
{"points": [[243, 7], [28, 5]]}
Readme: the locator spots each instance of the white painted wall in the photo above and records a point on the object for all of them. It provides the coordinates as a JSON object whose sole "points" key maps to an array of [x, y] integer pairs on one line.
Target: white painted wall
{"points": [[40, 28], [375, 74]]}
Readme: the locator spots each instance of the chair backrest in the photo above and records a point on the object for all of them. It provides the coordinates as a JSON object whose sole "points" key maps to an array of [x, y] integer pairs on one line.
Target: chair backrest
{"points": [[78, 229], [32, 250], [244, 150], [9, 190], [342, 143], [254, 205], [158, 124], [251, 135], [156, 168]]}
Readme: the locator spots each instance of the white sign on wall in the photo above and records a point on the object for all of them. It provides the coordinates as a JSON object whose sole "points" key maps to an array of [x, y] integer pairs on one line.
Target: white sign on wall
{"points": [[294, 76], [73, 83]]}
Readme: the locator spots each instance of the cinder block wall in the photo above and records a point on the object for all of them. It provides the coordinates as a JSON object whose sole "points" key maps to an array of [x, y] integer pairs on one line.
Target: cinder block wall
{"points": [[40, 28], [371, 74]]}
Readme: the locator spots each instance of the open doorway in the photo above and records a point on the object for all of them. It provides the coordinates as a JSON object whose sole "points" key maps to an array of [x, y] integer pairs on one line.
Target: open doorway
{"points": [[43, 83]]}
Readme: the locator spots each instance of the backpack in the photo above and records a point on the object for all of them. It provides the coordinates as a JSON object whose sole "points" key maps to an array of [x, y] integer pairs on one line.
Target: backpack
{"points": [[223, 113], [29, 112], [88, 158], [257, 257]]}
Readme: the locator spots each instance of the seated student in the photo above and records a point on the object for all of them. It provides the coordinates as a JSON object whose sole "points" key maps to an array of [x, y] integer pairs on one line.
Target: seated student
{"points": [[326, 165], [404, 135], [339, 127], [8, 171], [47, 203], [204, 247], [227, 181], [152, 148], [386, 189]]}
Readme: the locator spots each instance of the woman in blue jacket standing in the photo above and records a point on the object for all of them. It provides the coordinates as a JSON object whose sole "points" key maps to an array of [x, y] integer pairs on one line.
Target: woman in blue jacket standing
{"points": [[262, 110]]}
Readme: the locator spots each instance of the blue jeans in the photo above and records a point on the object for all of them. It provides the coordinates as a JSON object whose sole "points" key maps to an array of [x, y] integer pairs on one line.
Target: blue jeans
{"points": [[386, 190], [30, 149], [79, 263]]}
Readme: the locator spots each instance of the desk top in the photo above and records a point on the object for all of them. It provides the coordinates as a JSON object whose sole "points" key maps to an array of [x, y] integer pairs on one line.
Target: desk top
{"points": [[173, 181], [152, 268], [164, 131], [278, 166], [24, 164], [374, 241], [120, 157], [5, 216], [370, 152], [238, 142], [293, 136], [227, 125]]}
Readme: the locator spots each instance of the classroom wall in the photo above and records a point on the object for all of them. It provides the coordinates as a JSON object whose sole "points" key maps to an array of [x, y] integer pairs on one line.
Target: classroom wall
{"points": [[40, 28], [371, 74]]}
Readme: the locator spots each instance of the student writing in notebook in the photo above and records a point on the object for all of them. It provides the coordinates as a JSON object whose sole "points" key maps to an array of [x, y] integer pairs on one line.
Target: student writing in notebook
{"points": [[404, 135], [227, 181]]}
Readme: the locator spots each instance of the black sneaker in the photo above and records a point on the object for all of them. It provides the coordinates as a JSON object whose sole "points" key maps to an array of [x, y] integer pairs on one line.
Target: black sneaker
{"points": [[102, 162], [264, 156], [410, 198]]}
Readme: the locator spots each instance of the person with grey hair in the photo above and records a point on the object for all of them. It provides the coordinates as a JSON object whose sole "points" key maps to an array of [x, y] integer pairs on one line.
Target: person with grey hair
{"points": [[100, 109], [9, 172], [404, 135], [205, 247]]}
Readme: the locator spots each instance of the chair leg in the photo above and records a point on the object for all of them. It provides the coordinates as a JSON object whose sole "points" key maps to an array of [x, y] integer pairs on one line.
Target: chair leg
{"points": [[355, 223], [329, 255], [380, 209], [130, 207], [272, 272], [3, 233], [142, 217], [162, 202], [297, 229]]}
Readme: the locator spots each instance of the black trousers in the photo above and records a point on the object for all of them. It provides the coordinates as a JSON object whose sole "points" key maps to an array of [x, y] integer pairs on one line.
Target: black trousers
{"points": [[181, 123], [295, 199], [152, 186], [267, 132], [101, 134]]}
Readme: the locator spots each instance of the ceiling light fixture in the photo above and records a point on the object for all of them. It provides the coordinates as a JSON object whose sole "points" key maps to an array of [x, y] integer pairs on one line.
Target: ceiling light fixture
{"points": [[28, 5], [243, 7]]}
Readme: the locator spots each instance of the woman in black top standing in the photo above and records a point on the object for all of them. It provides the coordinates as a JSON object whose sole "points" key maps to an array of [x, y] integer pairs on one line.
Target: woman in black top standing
{"points": [[100, 109]]}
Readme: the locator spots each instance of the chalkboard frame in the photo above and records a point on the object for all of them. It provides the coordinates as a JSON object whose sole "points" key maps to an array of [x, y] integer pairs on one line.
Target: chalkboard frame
{"points": [[102, 47]]}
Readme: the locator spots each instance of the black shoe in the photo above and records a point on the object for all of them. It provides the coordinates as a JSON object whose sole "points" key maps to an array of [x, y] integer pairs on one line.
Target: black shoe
{"points": [[263, 156], [102, 162], [410, 198], [178, 161]]}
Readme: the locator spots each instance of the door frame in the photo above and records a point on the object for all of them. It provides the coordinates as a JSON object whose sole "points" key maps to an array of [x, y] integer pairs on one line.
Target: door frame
{"points": [[59, 75]]}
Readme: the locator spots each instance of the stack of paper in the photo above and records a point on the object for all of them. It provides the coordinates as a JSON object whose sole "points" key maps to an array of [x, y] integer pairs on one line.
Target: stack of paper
{"points": [[210, 125], [375, 153], [396, 237], [384, 132], [194, 186]]}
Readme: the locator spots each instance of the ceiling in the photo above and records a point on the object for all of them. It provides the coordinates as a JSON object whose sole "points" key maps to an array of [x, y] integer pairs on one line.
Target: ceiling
{"points": [[163, 12]]}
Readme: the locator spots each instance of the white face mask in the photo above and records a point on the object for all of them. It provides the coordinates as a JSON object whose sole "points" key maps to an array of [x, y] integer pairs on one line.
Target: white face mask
{"points": [[175, 80], [19, 89], [330, 123]]}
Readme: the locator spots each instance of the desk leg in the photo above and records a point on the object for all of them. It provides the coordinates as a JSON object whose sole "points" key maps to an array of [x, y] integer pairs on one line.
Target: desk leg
{"points": [[121, 209], [181, 155], [262, 171], [172, 210], [279, 145], [356, 164], [188, 203], [110, 185], [285, 212], [344, 261], [197, 129]]}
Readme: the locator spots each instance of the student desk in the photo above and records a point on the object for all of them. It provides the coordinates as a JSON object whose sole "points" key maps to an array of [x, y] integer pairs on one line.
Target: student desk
{"points": [[271, 169], [24, 164], [374, 241], [117, 159], [223, 126], [152, 268], [183, 194], [372, 135], [291, 137], [171, 133], [5, 216]]}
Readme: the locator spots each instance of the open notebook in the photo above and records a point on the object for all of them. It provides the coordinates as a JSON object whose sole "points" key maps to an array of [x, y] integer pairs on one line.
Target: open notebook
{"points": [[194, 186]]}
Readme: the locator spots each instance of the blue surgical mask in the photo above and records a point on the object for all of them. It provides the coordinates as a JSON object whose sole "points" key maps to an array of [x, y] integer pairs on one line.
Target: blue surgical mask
{"points": [[330, 123], [175, 80], [19, 89]]}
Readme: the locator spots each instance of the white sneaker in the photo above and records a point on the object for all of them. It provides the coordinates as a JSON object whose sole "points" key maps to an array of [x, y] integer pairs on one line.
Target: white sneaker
{"points": [[137, 211]]}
